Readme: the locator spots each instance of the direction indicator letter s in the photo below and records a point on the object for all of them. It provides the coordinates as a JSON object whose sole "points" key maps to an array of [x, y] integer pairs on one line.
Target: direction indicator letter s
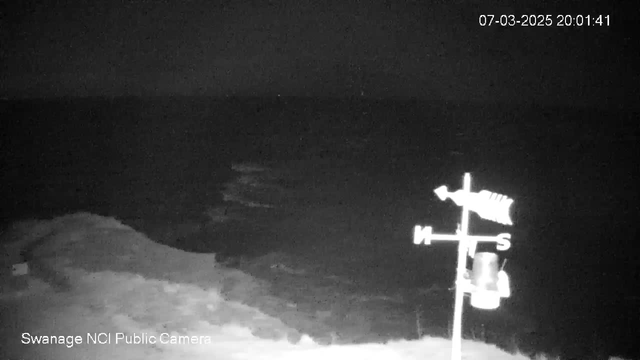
{"points": [[503, 242]]}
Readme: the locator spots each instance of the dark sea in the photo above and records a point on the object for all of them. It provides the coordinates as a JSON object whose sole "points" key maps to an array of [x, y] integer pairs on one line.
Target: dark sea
{"points": [[572, 173]]}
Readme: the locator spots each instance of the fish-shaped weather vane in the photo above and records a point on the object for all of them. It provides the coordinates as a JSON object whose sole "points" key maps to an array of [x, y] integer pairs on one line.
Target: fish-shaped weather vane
{"points": [[488, 205]]}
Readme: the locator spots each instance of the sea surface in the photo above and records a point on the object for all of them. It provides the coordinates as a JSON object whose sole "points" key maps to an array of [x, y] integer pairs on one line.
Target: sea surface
{"points": [[571, 172]]}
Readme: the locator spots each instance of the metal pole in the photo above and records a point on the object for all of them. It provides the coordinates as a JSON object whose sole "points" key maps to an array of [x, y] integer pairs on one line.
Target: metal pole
{"points": [[456, 346]]}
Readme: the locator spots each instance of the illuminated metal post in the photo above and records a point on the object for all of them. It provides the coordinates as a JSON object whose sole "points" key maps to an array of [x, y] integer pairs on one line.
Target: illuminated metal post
{"points": [[456, 349]]}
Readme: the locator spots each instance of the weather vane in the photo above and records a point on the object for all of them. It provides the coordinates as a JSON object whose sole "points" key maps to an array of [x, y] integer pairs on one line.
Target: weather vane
{"points": [[487, 283]]}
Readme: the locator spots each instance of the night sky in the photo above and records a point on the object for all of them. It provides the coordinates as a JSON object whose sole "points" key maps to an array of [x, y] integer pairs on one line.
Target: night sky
{"points": [[426, 49]]}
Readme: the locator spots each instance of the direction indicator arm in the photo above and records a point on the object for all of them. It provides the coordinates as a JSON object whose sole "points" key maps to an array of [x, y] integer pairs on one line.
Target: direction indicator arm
{"points": [[424, 235]]}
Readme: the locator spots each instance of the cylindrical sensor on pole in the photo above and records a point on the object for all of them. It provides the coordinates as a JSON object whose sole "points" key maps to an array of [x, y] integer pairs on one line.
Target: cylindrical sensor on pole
{"points": [[484, 278]]}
